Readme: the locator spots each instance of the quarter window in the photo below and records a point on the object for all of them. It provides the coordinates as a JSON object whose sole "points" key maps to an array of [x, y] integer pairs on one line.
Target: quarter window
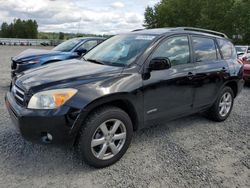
{"points": [[204, 49], [176, 49], [227, 48]]}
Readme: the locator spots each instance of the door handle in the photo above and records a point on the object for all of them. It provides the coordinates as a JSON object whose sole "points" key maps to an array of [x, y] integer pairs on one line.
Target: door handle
{"points": [[190, 75]]}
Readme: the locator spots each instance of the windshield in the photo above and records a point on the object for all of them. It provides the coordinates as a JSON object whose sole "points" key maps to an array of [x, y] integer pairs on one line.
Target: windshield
{"points": [[241, 49], [67, 45], [120, 50]]}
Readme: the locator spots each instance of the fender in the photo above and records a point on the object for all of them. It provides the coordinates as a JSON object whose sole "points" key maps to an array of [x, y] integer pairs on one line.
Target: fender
{"points": [[127, 96], [133, 104], [235, 81]]}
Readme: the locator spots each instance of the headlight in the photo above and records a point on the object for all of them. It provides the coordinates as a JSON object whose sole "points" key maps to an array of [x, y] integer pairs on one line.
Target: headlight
{"points": [[51, 99]]}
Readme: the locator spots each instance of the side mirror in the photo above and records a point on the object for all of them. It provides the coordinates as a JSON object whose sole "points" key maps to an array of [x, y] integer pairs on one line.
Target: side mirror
{"points": [[81, 52], [159, 63]]}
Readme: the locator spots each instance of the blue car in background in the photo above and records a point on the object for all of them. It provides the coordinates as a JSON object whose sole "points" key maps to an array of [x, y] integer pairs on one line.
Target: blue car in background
{"points": [[70, 49]]}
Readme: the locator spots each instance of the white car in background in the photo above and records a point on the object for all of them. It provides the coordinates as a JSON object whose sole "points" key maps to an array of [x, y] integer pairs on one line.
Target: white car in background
{"points": [[243, 51]]}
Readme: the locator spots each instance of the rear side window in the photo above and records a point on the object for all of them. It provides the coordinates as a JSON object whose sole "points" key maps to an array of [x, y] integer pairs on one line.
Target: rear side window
{"points": [[227, 48], [204, 49]]}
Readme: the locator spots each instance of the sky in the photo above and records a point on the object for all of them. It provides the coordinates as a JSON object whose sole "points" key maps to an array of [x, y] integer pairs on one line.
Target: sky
{"points": [[78, 16]]}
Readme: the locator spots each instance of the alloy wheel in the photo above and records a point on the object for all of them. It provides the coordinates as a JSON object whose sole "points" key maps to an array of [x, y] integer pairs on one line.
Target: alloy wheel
{"points": [[225, 104], [108, 139]]}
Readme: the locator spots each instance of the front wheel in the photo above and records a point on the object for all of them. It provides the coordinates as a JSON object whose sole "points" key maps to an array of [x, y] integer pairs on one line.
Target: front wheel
{"points": [[105, 136], [223, 105]]}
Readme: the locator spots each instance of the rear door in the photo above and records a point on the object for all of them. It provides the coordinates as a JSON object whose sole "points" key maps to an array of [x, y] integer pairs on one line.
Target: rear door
{"points": [[211, 70]]}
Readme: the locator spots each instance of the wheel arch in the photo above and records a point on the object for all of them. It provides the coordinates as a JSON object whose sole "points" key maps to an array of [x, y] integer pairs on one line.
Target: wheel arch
{"points": [[121, 101], [233, 85]]}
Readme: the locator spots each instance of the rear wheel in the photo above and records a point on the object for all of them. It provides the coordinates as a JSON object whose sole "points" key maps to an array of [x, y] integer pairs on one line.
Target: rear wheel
{"points": [[223, 105], [105, 136]]}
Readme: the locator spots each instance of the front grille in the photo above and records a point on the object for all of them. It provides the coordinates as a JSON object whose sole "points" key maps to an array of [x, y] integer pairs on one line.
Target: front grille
{"points": [[19, 95]]}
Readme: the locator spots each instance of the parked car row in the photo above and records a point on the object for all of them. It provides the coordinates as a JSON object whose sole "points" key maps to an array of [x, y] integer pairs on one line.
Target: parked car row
{"points": [[243, 53], [125, 83], [33, 58], [15, 44], [28, 42], [243, 50]]}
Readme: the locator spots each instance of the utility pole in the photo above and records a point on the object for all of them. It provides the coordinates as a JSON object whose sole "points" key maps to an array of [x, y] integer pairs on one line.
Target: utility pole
{"points": [[79, 25]]}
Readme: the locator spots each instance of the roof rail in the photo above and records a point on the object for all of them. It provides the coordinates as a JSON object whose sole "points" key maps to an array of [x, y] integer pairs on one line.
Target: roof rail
{"points": [[204, 31]]}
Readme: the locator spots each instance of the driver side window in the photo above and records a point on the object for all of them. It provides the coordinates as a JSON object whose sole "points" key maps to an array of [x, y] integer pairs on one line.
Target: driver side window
{"points": [[176, 49], [88, 45]]}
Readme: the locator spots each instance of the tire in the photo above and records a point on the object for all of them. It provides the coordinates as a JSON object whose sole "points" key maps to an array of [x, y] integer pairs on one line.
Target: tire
{"points": [[93, 129], [215, 112]]}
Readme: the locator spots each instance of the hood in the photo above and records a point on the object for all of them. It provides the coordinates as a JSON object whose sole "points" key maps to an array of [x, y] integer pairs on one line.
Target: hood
{"points": [[64, 73], [34, 53]]}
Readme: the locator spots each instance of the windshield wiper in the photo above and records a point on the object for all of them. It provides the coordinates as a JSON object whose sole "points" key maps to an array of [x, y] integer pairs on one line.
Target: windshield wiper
{"points": [[95, 61]]}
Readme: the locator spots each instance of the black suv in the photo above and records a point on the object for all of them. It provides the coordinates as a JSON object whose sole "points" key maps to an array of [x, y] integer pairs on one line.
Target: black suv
{"points": [[128, 82]]}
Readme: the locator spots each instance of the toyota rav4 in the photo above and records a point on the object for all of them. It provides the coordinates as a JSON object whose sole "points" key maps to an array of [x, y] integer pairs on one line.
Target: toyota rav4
{"points": [[126, 83]]}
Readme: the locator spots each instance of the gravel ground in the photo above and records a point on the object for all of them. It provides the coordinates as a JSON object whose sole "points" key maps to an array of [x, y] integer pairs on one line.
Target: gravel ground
{"points": [[189, 152]]}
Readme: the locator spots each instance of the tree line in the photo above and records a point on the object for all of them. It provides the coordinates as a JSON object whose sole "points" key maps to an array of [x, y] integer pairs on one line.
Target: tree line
{"points": [[228, 16], [65, 36], [28, 29], [20, 29]]}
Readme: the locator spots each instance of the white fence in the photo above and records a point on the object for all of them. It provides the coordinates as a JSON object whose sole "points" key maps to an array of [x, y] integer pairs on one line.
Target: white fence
{"points": [[28, 42]]}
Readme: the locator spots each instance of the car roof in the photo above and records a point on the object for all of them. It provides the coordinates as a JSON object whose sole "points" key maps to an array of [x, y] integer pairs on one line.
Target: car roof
{"points": [[191, 30]]}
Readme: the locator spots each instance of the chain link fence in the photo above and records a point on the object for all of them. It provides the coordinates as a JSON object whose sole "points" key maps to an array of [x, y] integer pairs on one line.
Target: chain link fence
{"points": [[28, 42]]}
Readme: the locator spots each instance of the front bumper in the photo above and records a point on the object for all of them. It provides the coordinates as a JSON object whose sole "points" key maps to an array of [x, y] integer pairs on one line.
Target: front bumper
{"points": [[34, 125]]}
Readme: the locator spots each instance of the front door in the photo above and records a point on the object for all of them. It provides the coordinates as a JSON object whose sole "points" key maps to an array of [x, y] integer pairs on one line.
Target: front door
{"points": [[169, 93]]}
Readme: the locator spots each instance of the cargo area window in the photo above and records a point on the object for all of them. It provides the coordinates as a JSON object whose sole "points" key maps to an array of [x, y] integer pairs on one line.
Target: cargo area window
{"points": [[227, 48]]}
